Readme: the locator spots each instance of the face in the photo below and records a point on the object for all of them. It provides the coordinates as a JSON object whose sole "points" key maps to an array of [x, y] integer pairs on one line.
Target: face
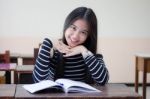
{"points": [[77, 33]]}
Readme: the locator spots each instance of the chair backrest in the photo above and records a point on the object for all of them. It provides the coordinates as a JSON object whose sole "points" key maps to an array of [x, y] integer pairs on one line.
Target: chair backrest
{"points": [[5, 57], [36, 50]]}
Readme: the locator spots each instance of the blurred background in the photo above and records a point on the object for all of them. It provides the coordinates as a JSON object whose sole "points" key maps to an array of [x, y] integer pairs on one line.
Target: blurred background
{"points": [[123, 29]]}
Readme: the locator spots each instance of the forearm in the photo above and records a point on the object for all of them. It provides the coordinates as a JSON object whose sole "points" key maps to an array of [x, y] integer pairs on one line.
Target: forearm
{"points": [[43, 67], [97, 69]]}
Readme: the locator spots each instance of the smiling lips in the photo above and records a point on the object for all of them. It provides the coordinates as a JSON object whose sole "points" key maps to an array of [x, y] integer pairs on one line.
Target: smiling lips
{"points": [[73, 42]]}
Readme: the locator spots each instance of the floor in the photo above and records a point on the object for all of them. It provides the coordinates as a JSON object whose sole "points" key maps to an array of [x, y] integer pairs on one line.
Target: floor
{"points": [[140, 91]]}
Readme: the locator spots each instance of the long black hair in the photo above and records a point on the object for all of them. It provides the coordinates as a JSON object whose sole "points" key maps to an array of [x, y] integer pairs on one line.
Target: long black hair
{"points": [[88, 15], [91, 42]]}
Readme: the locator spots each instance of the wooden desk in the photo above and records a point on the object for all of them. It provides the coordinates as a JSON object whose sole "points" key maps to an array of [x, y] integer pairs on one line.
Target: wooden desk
{"points": [[8, 67], [110, 91], [7, 91], [25, 59], [28, 69], [142, 63], [22, 59], [25, 68]]}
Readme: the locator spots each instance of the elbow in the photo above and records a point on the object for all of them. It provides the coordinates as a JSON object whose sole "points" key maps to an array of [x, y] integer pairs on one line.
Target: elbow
{"points": [[104, 81]]}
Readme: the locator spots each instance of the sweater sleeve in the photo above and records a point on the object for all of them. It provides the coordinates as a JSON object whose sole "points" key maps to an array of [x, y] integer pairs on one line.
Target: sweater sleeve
{"points": [[97, 68], [44, 65]]}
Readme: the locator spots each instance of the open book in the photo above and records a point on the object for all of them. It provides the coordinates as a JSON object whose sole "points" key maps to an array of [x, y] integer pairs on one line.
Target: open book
{"points": [[65, 85]]}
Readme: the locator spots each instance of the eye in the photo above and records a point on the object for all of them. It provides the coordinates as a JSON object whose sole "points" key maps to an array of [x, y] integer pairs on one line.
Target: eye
{"points": [[84, 32], [73, 27]]}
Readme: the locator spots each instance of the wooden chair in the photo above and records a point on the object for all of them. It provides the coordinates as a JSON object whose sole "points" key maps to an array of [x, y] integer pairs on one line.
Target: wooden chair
{"points": [[142, 63], [36, 50], [25, 72], [5, 58]]}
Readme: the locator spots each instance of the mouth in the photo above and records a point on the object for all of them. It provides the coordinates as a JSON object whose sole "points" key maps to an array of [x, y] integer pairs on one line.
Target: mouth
{"points": [[73, 42]]}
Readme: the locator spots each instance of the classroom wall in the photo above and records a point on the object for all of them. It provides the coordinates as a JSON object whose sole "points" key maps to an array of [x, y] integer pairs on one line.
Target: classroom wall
{"points": [[123, 27]]}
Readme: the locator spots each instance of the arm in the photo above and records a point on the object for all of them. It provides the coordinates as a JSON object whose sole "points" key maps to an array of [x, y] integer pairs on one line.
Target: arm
{"points": [[95, 64], [97, 68], [44, 65]]}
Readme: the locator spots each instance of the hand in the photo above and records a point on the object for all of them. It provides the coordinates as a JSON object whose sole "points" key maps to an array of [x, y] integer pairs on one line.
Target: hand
{"points": [[61, 47], [76, 50]]}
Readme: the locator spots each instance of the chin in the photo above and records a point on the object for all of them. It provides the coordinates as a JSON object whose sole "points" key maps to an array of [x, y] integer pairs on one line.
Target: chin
{"points": [[72, 46]]}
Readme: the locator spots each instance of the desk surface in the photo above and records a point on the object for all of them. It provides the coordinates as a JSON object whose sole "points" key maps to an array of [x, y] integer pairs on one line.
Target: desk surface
{"points": [[7, 91], [25, 68], [7, 67], [110, 91], [143, 55], [17, 55]]}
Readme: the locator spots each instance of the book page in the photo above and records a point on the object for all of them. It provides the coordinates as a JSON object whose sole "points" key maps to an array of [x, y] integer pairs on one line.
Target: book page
{"points": [[32, 88], [76, 86]]}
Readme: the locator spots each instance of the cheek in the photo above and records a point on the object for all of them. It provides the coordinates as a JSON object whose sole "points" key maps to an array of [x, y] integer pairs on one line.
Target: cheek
{"points": [[67, 36], [83, 39], [67, 33]]}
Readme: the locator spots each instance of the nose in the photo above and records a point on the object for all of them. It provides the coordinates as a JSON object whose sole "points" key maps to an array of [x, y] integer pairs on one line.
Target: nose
{"points": [[75, 35]]}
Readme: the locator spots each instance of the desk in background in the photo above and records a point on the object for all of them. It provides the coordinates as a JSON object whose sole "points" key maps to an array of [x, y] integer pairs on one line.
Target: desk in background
{"points": [[142, 63], [110, 91], [22, 59], [7, 91], [10, 68], [25, 69]]}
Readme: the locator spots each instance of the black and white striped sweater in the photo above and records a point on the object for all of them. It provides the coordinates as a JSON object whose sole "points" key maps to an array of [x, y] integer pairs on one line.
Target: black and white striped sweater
{"points": [[74, 66]]}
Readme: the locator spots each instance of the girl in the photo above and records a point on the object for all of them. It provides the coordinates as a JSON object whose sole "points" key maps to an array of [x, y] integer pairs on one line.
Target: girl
{"points": [[74, 56]]}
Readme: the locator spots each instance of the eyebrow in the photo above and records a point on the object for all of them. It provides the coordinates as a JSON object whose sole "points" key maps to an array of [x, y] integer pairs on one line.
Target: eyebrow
{"points": [[82, 30]]}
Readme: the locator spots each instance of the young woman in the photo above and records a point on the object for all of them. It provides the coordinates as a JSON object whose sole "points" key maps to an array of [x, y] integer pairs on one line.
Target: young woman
{"points": [[74, 56]]}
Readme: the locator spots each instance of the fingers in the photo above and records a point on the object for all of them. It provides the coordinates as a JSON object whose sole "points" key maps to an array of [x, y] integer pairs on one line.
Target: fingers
{"points": [[71, 52], [68, 54], [64, 50], [75, 50], [61, 47]]}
